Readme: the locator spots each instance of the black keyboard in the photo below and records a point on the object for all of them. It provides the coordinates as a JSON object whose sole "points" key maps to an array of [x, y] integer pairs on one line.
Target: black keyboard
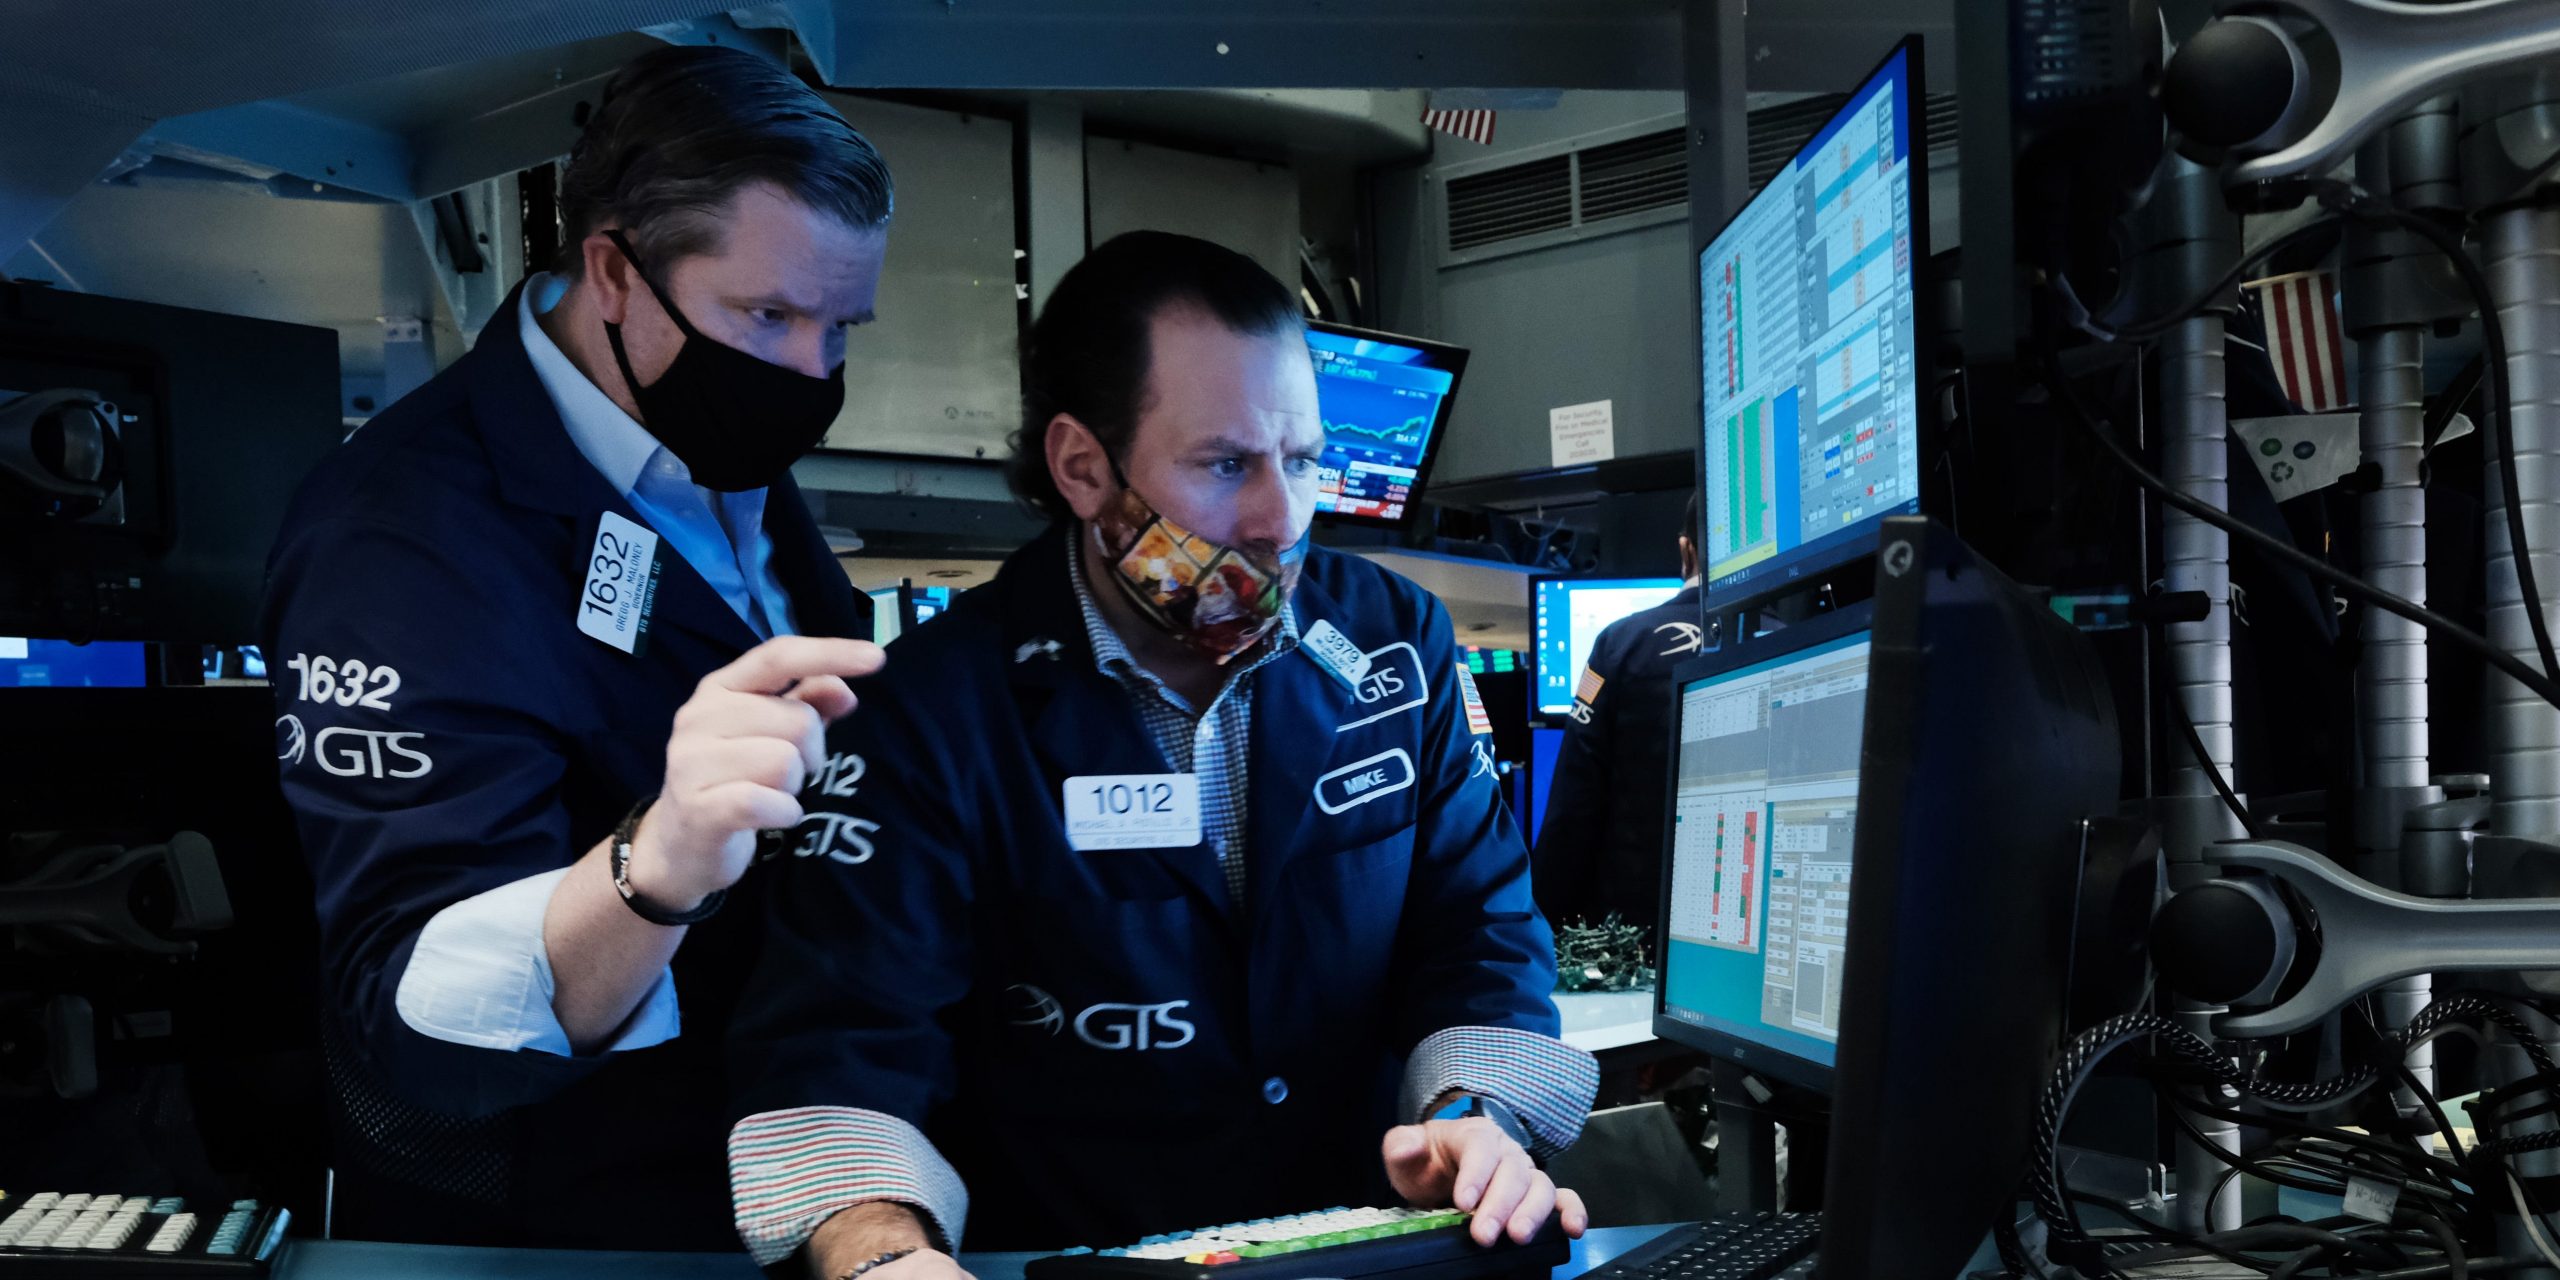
{"points": [[1728, 1246], [98, 1237], [1342, 1243]]}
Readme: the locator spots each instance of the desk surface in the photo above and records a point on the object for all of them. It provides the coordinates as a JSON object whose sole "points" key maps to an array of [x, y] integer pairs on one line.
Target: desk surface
{"points": [[349, 1259], [1595, 1021]]}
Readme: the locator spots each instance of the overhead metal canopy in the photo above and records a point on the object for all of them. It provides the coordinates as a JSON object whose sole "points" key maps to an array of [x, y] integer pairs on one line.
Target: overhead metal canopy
{"points": [[407, 101], [361, 101], [87, 78]]}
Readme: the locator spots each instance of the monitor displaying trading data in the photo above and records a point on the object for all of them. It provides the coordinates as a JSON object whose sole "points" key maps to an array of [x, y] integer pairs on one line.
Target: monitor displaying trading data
{"points": [[1385, 400], [1566, 616], [1764, 810], [1810, 360], [60, 664]]}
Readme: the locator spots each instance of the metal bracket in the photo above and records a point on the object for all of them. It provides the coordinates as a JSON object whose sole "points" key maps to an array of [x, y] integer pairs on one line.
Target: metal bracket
{"points": [[2370, 936], [2393, 55]]}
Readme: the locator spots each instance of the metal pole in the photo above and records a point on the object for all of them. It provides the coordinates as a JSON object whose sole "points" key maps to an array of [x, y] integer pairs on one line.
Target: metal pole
{"points": [[2523, 265], [2392, 679], [2196, 460], [2507, 151], [2522, 260], [2394, 286]]}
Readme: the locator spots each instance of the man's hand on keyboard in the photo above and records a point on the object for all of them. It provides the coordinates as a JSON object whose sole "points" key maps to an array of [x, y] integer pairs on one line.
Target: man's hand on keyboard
{"points": [[857, 1235], [1472, 1165]]}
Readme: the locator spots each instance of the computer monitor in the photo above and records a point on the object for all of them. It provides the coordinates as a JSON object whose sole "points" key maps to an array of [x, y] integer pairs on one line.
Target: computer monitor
{"points": [[233, 664], [1956, 740], [1762, 835], [922, 603], [1811, 359], [902, 608], [1385, 401], [1990, 746], [60, 664], [1566, 617], [204, 462]]}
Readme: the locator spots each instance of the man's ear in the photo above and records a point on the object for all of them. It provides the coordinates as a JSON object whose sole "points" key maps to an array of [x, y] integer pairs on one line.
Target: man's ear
{"points": [[608, 275], [1079, 466]]}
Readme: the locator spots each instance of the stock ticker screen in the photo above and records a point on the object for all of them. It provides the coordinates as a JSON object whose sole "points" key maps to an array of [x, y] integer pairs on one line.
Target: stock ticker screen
{"points": [[1384, 401]]}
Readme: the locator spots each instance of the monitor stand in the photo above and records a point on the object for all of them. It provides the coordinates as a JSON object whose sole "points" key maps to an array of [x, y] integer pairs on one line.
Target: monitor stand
{"points": [[1747, 1145]]}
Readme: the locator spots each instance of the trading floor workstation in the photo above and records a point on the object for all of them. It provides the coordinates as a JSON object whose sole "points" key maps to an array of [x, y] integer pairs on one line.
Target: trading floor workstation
{"points": [[2097, 757]]}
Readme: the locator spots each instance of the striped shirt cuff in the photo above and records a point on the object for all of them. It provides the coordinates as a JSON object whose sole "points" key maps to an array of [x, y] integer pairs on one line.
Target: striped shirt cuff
{"points": [[792, 1170], [1547, 1083]]}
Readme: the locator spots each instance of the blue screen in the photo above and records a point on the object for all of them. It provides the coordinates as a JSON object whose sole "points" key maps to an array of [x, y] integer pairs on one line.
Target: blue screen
{"points": [[929, 601], [1567, 617], [1544, 746], [1810, 356], [234, 662], [1381, 402], [1763, 826], [60, 664]]}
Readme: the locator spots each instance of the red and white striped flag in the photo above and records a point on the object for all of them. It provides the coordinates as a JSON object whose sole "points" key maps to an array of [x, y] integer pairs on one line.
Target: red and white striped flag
{"points": [[1474, 126], [2304, 340]]}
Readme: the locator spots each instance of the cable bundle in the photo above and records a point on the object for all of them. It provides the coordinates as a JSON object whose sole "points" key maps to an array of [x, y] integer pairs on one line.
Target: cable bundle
{"points": [[2440, 1199]]}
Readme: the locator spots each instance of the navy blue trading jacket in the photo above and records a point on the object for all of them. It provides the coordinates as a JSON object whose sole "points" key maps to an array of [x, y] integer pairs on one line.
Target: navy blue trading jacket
{"points": [[1102, 1043], [1601, 844], [444, 547]]}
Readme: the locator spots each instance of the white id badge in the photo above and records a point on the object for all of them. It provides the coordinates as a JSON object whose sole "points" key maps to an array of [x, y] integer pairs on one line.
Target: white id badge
{"points": [[1334, 651], [622, 584], [1132, 811]]}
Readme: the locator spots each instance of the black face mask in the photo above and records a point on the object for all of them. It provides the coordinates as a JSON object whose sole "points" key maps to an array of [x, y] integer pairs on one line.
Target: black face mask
{"points": [[734, 421]]}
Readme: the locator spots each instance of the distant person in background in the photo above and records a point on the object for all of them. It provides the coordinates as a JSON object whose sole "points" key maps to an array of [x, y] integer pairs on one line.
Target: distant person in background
{"points": [[1600, 848]]}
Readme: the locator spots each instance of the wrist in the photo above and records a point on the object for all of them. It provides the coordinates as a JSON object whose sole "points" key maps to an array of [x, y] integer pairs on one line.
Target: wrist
{"points": [[864, 1232], [1462, 1105], [651, 882]]}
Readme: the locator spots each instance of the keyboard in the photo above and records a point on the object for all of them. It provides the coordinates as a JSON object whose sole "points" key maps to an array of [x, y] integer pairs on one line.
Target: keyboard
{"points": [[109, 1237], [1407, 1244], [1728, 1246]]}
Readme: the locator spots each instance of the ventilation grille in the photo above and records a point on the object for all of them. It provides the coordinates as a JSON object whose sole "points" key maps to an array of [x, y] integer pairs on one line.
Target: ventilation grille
{"points": [[1777, 133], [1650, 172], [1942, 124], [1508, 203], [1637, 175]]}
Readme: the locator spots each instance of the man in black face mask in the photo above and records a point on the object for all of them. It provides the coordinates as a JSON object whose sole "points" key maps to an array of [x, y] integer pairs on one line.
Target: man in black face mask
{"points": [[559, 638], [1169, 884]]}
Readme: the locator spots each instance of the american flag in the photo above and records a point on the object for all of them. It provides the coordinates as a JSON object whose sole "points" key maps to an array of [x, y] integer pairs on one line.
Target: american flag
{"points": [[2303, 338], [1474, 126], [1589, 689], [1477, 721]]}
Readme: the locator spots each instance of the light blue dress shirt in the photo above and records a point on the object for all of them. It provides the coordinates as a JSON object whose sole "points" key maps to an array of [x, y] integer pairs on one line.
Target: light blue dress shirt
{"points": [[480, 974]]}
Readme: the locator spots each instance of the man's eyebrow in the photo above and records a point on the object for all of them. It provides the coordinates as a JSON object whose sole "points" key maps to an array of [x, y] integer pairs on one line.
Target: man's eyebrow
{"points": [[781, 303], [1225, 444]]}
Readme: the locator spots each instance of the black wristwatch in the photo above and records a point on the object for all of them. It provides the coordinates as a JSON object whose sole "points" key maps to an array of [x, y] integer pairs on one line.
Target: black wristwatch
{"points": [[1472, 1104], [874, 1264], [631, 898]]}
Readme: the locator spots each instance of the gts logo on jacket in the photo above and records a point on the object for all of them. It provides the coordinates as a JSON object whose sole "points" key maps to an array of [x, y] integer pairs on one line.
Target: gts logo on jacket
{"points": [[1110, 1027]]}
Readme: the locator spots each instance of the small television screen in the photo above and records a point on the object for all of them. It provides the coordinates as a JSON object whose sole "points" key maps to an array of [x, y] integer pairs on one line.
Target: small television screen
{"points": [[1385, 401]]}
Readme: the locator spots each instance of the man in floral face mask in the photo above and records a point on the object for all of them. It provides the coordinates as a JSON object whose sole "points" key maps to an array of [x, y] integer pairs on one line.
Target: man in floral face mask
{"points": [[1169, 884]]}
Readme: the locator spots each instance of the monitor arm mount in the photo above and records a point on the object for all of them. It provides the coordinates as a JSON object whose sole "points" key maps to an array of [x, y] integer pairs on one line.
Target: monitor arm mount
{"points": [[2291, 88], [2283, 959]]}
